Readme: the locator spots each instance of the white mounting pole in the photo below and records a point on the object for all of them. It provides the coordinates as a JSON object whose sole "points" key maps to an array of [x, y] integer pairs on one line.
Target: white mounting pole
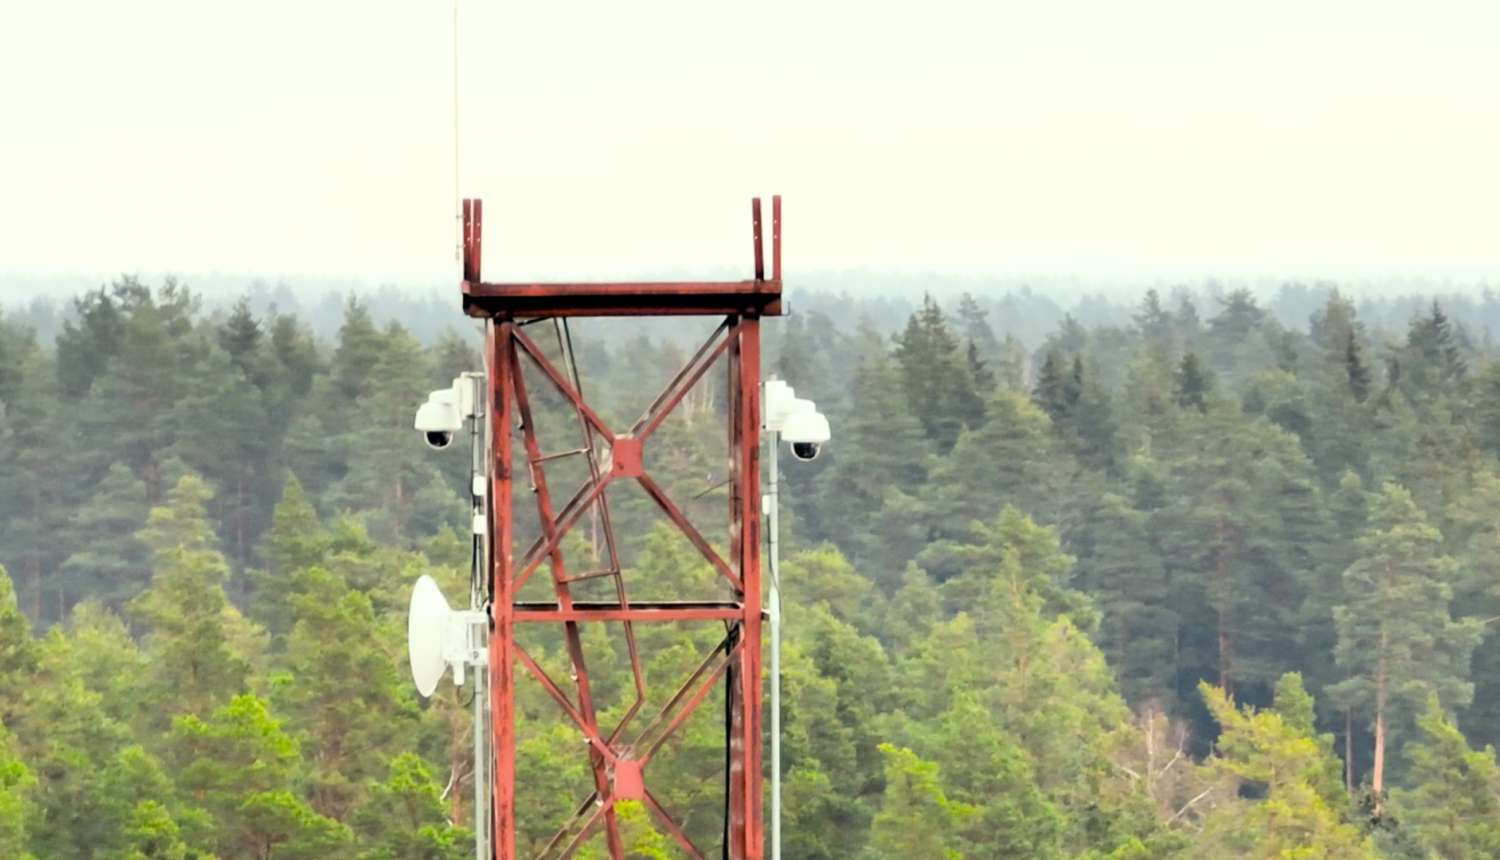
{"points": [[481, 769], [479, 487]]}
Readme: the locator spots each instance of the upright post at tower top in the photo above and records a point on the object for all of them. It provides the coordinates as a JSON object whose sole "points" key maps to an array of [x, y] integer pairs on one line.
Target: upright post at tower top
{"points": [[619, 755]]}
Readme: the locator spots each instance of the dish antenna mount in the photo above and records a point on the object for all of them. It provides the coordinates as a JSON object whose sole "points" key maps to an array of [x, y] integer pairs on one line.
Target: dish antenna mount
{"points": [[438, 637]]}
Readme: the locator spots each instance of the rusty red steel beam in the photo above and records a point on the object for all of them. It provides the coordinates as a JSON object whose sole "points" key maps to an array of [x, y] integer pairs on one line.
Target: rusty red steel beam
{"points": [[599, 753], [606, 802], [673, 829], [543, 546], [601, 507], [760, 263], [744, 419], [561, 384], [478, 238], [750, 572], [737, 833], [582, 498], [680, 520], [548, 613], [585, 299], [724, 646], [590, 732], [676, 380], [572, 822], [679, 387], [694, 702], [502, 605]]}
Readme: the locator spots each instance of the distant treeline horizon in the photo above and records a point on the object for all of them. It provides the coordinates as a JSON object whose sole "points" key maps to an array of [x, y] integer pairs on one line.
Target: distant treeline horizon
{"points": [[1028, 309]]}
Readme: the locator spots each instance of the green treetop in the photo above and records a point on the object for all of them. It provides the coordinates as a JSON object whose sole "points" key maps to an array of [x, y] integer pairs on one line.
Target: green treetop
{"points": [[1265, 797], [193, 669], [1453, 807], [1397, 642]]}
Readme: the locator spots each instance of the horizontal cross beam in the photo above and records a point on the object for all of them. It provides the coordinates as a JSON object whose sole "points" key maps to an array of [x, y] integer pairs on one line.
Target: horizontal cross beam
{"points": [[584, 611]]}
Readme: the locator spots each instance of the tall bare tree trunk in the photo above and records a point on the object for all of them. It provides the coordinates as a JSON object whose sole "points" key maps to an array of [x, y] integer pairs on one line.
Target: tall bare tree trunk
{"points": [[1377, 777], [1349, 751], [1224, 571]]}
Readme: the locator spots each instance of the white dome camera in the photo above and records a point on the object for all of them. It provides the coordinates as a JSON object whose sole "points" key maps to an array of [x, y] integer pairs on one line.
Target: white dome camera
{"points": [[806, 431], [441, 416]]}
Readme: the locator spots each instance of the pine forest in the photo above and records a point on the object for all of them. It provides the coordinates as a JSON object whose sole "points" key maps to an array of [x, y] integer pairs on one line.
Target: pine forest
{"points": [[1204, 575]]}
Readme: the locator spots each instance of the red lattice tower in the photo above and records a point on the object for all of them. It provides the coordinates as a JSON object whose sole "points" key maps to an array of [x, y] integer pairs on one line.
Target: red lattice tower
{"points": [[619, 766]]}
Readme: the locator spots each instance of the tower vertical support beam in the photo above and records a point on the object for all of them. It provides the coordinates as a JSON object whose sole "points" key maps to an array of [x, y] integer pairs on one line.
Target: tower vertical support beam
{"points": [[500, 366], [745, 826]]}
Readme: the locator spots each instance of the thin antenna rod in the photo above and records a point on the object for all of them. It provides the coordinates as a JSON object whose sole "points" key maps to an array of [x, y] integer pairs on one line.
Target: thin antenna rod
{"points": [[458, 225]]}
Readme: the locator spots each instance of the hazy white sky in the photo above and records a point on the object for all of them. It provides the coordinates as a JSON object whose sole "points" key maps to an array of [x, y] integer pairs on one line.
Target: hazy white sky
{"points": [[1142, 137]]}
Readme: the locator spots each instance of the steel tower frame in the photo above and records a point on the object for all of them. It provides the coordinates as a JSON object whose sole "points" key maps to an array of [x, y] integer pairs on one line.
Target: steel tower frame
{"points": [[619, 765]]}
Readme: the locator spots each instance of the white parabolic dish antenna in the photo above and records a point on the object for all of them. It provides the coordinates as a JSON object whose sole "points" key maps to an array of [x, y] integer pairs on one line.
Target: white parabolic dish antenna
{"points": [[426, 626]]}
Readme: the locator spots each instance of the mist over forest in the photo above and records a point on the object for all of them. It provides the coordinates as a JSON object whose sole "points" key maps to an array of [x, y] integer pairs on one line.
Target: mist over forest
{"points": [[1025, 307], [1199, 572]]}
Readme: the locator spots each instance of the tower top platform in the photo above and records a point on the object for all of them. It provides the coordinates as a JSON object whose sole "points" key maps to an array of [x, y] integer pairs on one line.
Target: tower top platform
{"points": [[759, 296]]}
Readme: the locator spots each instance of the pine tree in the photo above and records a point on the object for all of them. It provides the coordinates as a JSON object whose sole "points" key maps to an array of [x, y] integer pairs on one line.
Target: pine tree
{"points": [[184, 612], [360, 348], [1047, 686], [1235, 541], [940, 391], [16, 786], [110, 563], [1475, 537], [1122, 573], [126, 416], [224, 433], [43, 472], [1193, 384], [987, 771], [976, 326], [107, 660], [142, 815], [912, 610], [66, 738], [1396, 640], [1433, 346], [241, 767], [342, 692], [1298, 713], [404, 820], [1152, 320], [241, 336], [983, 379], [296, 540], [916, 820], [1056, 390], [17, 652], [1261, 756], [1238, 317], [1453, 808], [1187, 324], [1356, 371], [388, 464], [887, 450], [1012, 363], [1002, 462], [92, 337]]}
